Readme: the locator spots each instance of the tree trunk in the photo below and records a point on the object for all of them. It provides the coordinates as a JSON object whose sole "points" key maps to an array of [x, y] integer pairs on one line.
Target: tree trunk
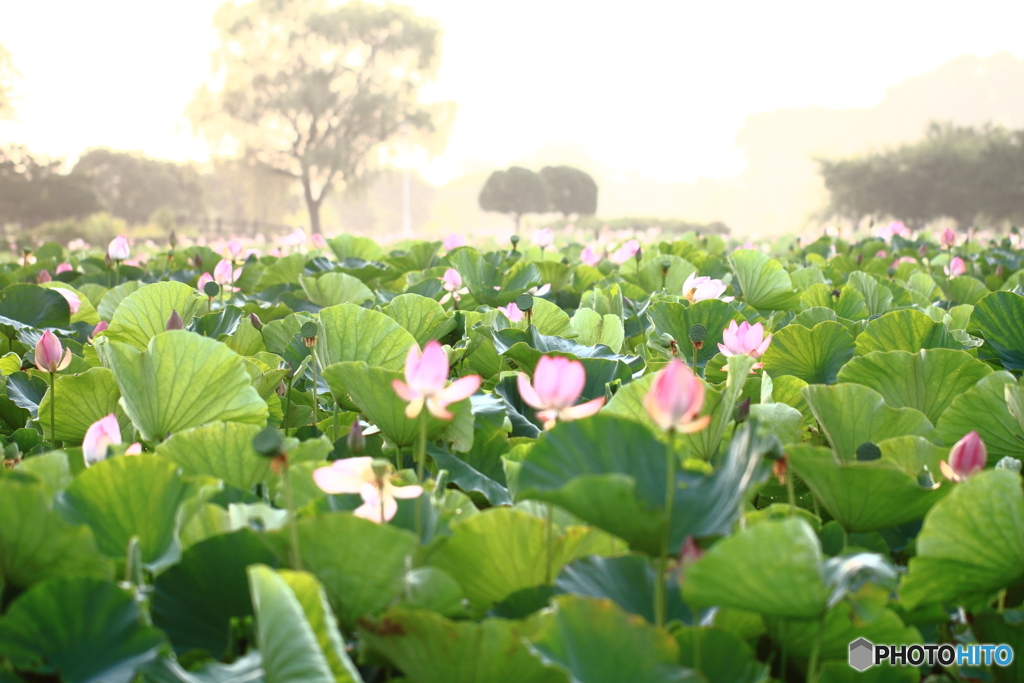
{"points": [[312, 206]]}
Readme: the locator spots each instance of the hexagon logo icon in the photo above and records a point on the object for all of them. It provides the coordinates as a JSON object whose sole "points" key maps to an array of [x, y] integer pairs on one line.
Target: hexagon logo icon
{"points": [[862, 654]]}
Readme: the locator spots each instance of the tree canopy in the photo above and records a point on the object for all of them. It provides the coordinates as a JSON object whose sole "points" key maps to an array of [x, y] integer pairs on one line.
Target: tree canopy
{"points": [[571, 190], [33, 190], [515, 191], [312, 90], [955, 172]]}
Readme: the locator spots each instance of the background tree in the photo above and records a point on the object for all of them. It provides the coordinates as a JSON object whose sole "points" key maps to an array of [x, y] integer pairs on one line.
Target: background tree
{"points": [[7, 76], [312, 90], [572, 190], [33, 190], [515, 191], [132, 186]]}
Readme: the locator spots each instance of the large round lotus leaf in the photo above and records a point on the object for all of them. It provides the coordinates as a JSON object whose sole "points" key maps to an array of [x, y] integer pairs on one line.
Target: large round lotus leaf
{"points": [[110, 299], [82, 400], [34, 307], [591, 329], [499, 552], [842, 627], [863, 496], [677, 320], [194, 601], [927, 381], [295, 630], [654, 277], [983, 408], [721, 657], [627, 580], [85, 629], [999, 320], [423, 318], [142, 496], [37, 544], [348, 246], [814, 355], [595, 641], [182, 380], [143, 314], [905, 330], [361, 564], [771, 568], [850, 304], [220, 449], [354, 333], [331, 289], [764, 283], [851, 414], [972, 542], [428, 648], [611, 472], [86, 312]]}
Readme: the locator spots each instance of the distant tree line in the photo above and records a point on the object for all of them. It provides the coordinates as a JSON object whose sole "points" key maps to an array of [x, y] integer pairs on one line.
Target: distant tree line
{"points": [[517, 191], [130, 186], [963, 173]]}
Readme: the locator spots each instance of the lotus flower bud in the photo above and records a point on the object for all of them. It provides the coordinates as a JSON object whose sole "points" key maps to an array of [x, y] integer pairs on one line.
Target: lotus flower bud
{"points": [[173, 240], [43, 276], [356, 441], [175, 322], [966, 458], [48, 353], [118, 249], [255, 320], [100, 327], [64, 268]]}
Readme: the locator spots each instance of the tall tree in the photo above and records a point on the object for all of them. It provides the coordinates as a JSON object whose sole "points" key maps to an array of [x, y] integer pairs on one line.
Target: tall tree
{"points": [[132, 186], [313, 90], [571, 190], [33, 190], [515, 191]]}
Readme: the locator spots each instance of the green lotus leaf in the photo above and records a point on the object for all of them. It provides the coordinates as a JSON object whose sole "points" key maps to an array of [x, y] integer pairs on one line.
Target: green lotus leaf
{"points": [[983, 408], [627, 580], [37, 544], [501, 551], [348, 246], [972, 542], [85, 629], [772, 568], [849, 305], [591, 329], [142, 496], [905, 330], [842, 626], [428, 648], [596, 642], [814, 355], [764, 283], [852, 414], [877, 297], [220, 449], [927, 381], [181, 380], [194, 601], [999, 320], [82, 400], [143, 314], [331, 289], [654, 277], [423, 318], [32, 306], [361, 564], [112, 298], [721, 657], [863, 496], [86, 312], [676, 320]]}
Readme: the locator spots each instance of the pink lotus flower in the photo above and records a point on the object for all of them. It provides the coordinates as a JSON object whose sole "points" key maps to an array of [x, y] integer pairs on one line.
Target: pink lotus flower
{"points": [[318, 241], [451, 282], [967, 457], [543, 238], [454, 241], [426, 375], [74, 303], [903, 259], [203, 279], [557, 385], [224, 274], [118, 249], [702, 288], [101, 326], [512, 312], [948, 238], [625, 252], [881, 253], [102, 434], [590, 256], [235, 248], [744, 340], [675, 399], [64, 268], [48, 353], [955, 267], [296, 238], [357, 475], [43, 276]]}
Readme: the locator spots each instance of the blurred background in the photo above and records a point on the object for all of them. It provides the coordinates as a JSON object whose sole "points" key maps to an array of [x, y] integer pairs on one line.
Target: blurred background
{"points": [[759, 119]]}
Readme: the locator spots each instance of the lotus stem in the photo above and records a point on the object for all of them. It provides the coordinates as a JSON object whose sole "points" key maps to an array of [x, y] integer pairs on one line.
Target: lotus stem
{"points": [[293, 528], [316, 421], [662, 567], [421, 457], [812, 665], [550, 541], [53, 410]]}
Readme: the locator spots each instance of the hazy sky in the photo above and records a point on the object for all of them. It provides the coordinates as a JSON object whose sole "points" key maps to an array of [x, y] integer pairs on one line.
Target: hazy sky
{"points": [[658, 88]]}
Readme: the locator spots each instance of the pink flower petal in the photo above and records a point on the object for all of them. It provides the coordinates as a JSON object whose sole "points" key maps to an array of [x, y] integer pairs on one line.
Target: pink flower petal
{"points": [[582, 410], [527, 392]]}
